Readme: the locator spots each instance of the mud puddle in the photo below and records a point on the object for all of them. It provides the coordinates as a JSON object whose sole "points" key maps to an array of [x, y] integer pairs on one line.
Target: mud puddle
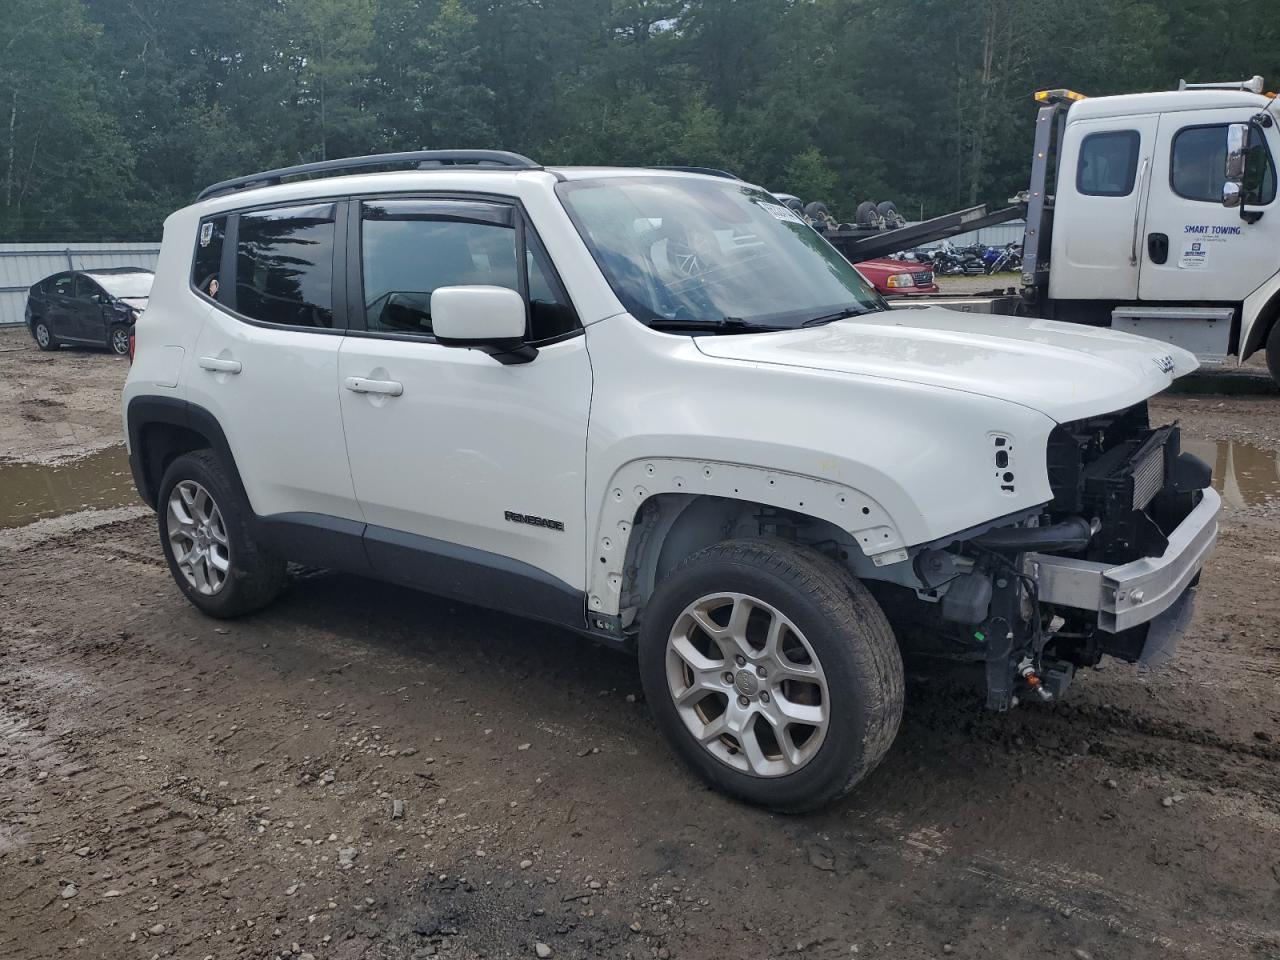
{"points": [[1245, 475], [32, 491]]}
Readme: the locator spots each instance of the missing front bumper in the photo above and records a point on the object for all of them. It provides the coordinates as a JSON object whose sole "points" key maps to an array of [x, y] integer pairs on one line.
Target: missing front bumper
{"points": [[1132, 594]]}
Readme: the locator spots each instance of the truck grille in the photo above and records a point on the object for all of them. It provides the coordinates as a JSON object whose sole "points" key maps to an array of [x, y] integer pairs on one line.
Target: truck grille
{"points": [[923, 279]]}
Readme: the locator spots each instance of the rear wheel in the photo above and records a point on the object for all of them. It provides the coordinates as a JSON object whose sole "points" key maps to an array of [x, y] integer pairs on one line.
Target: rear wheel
{"points": [[207, 537], [1273, 352], [773, 674], [119, 340], [44, 337]]}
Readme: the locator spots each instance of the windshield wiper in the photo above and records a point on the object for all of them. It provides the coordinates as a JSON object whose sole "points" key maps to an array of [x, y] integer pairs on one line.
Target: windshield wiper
{"points": [[844, 314], [725, 324]]}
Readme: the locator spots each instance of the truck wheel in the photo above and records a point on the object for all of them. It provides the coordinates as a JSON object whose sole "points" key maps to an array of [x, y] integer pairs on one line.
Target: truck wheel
{"points": [[206, 536], [889, 211], [1273, 351], [772, 673], [865, 215]]}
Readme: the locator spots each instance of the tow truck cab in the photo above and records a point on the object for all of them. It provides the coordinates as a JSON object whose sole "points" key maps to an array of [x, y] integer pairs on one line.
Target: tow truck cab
{"points": [[1157, 214]]}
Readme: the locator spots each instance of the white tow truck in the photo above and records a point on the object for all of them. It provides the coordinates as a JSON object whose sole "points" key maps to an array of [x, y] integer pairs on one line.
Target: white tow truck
{"points": [[1151, 213]]}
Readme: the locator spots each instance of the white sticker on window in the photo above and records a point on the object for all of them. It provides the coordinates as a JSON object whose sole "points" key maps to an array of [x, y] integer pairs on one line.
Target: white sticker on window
{"points": [[206, 233], [780, 212]]}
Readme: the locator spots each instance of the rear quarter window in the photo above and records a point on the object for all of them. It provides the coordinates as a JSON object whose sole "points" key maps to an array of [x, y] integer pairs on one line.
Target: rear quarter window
{"points": [[1108, 163], [208, 258]]}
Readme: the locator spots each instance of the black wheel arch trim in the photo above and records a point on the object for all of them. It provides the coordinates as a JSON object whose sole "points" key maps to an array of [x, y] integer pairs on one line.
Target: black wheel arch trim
{"points": [[146, 411]]}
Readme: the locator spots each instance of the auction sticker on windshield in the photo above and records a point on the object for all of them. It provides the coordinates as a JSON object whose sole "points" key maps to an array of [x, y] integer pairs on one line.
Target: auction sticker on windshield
{"points": [[779, 211]]}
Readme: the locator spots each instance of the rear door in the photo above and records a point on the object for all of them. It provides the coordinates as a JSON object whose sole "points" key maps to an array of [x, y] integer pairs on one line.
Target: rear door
{"points": [[58, 305], [1098, 210], [266, 359], [1194, 247]]}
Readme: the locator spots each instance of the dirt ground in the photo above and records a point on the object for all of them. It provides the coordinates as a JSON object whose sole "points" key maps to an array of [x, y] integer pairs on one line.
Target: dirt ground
{"points": [[367, 772]]}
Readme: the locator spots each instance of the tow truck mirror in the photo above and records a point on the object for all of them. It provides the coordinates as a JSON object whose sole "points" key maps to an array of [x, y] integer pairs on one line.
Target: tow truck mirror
{"points": [[1237, 147]]}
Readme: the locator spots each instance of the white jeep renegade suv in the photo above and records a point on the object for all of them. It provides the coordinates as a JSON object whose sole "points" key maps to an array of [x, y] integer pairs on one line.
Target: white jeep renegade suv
{"points": [[655, 407]]}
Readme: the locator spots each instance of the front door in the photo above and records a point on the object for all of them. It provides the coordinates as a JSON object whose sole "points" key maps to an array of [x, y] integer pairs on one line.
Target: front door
{"points": [[1195, 248], [1097, 218], [86, 311], [266, 359], [469, 472]]}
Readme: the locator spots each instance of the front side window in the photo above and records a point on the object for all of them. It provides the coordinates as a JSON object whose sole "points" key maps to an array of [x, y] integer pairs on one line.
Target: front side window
{"points": [[1198, 165], [284, 266], [409, 248], [692, 251], [208, 259], [1108, 163]]}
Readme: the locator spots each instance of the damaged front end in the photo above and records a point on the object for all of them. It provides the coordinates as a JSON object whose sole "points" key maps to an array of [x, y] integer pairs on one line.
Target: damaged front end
{"points": [[1109, 566]]}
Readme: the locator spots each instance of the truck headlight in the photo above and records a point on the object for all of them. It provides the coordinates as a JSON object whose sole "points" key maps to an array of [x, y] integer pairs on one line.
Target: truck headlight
{"points": [[901, 280]]}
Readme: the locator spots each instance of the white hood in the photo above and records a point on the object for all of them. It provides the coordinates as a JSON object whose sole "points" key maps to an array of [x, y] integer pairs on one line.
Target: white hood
{"points": [[1063, 370]]}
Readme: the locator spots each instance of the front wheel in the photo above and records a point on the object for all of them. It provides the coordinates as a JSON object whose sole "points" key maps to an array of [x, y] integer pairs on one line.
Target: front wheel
{"points": [[771, 672], [119, 340], [1273, 352], [207, 536]]}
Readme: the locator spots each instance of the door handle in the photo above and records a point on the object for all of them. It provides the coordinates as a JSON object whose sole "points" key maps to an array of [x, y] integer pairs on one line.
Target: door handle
{"points": [[1137, 211], [219, 365], [389, 388], [1158, 247]]}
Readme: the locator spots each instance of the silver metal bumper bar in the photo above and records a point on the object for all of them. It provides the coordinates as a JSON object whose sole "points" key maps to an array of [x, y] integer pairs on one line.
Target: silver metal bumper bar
{"points": [[1133, 593]]}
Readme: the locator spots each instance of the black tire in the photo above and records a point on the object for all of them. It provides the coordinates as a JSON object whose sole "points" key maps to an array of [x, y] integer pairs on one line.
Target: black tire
{"points": [[255, 576], [817, 210], [118, 339], [1273, 352], [794, 205], [45, 340], [889, 211], [849, 635], [865, 215]]}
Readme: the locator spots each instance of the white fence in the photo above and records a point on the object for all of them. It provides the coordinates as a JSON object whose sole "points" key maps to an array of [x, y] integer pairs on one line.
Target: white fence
{"points": [[24, 264]]}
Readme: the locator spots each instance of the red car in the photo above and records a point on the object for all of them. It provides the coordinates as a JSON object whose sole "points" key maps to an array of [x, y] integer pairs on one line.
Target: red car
{"points": [[898, 278]]}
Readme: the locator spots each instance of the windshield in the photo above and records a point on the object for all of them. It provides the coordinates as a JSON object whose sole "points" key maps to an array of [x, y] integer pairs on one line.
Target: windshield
{"points": [[131, 286], [709, 251]]}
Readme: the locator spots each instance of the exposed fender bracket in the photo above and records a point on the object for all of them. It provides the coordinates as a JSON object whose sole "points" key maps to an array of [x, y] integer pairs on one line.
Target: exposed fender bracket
{"points": [[637, 481]]}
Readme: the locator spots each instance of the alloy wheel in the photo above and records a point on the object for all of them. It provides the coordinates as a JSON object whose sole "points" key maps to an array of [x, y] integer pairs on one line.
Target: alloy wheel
{"points": [[120, 341], [42, 335], [747, 684], [198, 537]]}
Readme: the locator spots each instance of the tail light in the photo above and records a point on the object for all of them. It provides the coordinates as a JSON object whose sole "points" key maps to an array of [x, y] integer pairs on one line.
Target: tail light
{"points": [[131, 345]]}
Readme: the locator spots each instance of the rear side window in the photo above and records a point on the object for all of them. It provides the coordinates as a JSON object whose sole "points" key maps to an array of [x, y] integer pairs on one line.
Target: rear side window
{"points": [[1108, 163], [61, 286], [208, 259], [284, 266], [1198, 165]]}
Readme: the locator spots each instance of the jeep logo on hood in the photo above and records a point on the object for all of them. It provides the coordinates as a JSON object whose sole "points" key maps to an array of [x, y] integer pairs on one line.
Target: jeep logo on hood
{"points": [[1165, 363]]}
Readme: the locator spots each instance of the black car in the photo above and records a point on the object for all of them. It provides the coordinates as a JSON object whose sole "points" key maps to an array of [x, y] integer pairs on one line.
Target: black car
{"points": [[95, 307]]}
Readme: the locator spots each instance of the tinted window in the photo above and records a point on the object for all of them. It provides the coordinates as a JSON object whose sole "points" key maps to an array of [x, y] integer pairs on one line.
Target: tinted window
{"points": [[86, 289], [1108, 163], [409, 248], [284, 266], [1199, 166], [550, 314], [208, 259], [61, 286]]}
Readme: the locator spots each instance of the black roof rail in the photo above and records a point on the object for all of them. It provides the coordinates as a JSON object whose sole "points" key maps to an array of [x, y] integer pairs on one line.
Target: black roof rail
{"points": [[422, 159], [708, 171]]}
